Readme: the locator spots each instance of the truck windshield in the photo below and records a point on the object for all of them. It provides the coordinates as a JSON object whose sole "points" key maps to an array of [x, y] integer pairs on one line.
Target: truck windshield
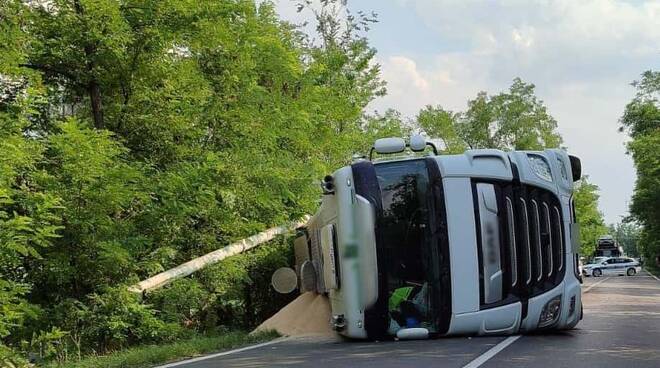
{"points": [[411, 255]]}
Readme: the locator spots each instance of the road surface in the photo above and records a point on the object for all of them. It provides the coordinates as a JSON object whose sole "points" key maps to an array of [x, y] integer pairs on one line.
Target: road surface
{"points": [[621, 328]]}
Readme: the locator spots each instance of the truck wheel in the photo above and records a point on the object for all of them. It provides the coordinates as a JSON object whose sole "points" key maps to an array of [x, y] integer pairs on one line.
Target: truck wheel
{"points": [[631, 272], [597, 272]]}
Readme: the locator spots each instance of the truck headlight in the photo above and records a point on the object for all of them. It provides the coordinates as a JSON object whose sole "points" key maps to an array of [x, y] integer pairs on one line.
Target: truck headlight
{"points": [[338, 322], [550, 313]]}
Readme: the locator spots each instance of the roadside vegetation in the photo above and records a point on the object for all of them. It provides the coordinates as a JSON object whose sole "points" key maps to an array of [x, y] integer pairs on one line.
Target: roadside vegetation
{"points": [[138, 134], [641, 120], [150, 355]]}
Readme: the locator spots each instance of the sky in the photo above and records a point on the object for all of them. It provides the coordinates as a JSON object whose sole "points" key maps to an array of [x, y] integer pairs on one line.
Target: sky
{"points": [[582, 56]]}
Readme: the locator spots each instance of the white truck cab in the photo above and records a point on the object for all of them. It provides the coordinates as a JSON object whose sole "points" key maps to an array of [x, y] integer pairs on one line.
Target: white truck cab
{"points": [[423, 244]]}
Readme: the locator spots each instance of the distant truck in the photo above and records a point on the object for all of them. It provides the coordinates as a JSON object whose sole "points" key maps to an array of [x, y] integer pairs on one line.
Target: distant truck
{"points": [[606, 246]]}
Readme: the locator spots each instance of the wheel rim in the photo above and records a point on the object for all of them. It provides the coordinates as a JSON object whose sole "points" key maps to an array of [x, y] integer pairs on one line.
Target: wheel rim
{"points": [[631, 272], [597, 273]]}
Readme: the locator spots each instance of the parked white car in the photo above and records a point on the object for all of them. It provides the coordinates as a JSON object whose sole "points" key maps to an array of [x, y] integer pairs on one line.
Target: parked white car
{"points": [[612, 266]]}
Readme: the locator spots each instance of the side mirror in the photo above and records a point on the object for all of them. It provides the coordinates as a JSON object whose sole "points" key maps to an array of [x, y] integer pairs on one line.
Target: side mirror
{"points": [[389, 145], [576, 167], [604, 263], [417, 143], [396, 145]]}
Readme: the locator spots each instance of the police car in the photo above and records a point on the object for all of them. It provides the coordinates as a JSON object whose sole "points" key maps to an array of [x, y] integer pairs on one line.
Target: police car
{"points": [[612, 266]]}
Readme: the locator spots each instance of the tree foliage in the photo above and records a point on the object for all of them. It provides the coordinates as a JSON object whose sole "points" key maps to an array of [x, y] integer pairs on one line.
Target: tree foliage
{"points": [[592, 223], [641, 119], [627, 236], [438, 122], [511, 120]]}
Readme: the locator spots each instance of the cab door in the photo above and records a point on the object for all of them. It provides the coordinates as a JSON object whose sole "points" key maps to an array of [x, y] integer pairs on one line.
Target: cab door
{"points": [[610, 267], [621, 266]]}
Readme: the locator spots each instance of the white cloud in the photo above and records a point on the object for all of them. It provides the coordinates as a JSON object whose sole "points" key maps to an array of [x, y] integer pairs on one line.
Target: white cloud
{"points": [[523, 38], [448, 80], [409, 68]]}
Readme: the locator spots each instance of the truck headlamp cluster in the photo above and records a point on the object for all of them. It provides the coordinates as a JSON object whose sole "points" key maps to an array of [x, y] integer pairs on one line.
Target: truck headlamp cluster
{"points": [[338, 322], [540, 167], [551, 312], [328, 185]]}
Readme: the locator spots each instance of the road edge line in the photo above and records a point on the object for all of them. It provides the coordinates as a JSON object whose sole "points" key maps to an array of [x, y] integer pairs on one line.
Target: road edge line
{"points": [[211, 356], [483, 358], [652, 275], [594, 285]]}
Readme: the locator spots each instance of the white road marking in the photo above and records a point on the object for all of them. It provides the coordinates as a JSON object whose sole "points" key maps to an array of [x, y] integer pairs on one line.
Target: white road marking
{"points": [[483, 358], [652, 275], [593, 285], [211, 356]]}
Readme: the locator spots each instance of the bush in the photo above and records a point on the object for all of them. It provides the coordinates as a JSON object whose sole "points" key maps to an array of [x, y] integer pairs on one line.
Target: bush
{"points": [[117, 318], [184, 302], [149, 355], [242, 284], [10, 359], [235, 293]]}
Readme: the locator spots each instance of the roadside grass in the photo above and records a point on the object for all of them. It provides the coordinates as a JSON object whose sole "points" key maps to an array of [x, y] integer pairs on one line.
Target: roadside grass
{"points": [[652, 269], [150, 355]]}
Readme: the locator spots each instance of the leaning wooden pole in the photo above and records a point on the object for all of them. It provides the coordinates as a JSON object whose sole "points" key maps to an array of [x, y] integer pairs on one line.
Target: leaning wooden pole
{"points": [[196, 264]]}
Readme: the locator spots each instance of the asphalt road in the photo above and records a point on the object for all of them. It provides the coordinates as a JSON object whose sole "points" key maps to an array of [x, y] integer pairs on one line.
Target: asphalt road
{"points": [[621, 328]]}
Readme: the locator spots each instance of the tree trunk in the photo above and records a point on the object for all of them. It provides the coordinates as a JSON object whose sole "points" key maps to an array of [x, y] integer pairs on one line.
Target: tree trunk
{"points": [[247, 316], [94, 92], [93, 87]]}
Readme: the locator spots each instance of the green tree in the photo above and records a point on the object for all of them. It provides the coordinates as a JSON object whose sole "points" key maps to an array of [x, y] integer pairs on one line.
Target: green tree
{"points": [[438, 122], [511, 120], [79, 45], [627, 235], [388, 124], [30, 216], [515, 119], [592, 224], [138, 134], [641, 119]]}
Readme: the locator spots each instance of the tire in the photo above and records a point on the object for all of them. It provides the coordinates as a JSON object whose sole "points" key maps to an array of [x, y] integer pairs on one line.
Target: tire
{"points": [[597, 272], [581, 311], [631, 272]]}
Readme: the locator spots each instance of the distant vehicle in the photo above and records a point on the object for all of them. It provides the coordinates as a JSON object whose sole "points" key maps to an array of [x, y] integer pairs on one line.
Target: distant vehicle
{"points": [[483, 242], [586, 269], [612, 266], [606, 246]]}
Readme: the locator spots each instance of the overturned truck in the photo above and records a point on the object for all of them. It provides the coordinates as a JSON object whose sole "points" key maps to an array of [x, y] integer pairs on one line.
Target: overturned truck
{"points": [[416, 244]]}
